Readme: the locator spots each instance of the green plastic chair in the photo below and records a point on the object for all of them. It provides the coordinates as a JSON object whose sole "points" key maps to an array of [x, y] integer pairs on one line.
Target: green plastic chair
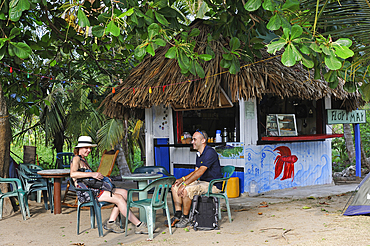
{"points": [[17, 191], [33, 182], [156, 169], [95, 210], [158, 201], [227, 171]]}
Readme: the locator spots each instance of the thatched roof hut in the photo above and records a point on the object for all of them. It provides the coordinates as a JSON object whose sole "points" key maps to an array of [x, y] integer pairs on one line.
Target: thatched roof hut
{"points": [[158, 80]]}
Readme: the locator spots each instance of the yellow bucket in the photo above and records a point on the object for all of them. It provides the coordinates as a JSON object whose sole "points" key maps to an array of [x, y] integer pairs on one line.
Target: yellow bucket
{"points": [[233, 187]]}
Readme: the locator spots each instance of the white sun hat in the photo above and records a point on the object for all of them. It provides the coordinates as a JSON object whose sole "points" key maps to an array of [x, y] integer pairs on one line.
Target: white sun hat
{"points": [[85, 141]]}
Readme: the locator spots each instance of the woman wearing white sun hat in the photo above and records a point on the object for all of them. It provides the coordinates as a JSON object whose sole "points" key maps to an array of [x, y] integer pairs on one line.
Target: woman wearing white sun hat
{"points": [[117, 197]]}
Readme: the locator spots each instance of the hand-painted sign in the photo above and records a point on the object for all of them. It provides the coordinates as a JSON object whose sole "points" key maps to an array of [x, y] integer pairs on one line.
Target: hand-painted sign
{"points": [[340, 116]]}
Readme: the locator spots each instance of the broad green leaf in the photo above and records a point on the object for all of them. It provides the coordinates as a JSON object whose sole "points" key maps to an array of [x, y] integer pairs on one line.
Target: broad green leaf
{"points": [[209, 51], [98, 31], [94, 47], [113, 29], [326, 50], [225, 63], [315, 47], [288, 57], [160, 42], [258, 46], [14, 32], [2, 16], [332, 62], [150, 49], [161, 19], [274, 23], [47, 102], [227, 56], [344, 42], [171, 53], [296, 31], [235, 66], [140, 51], [83, 21], [22, 50], [127, 13], [199, 70], [276, 46], [269, 5], [305, 49], [307, 62], [153, 30], [53, 63], [252, 5], [194, 32], [184, 59], [285, 23], [192, 69], [291, 5], [297, 55], [286, 33], [16, 8], [205, 57], [234, 43], [343, 52]]}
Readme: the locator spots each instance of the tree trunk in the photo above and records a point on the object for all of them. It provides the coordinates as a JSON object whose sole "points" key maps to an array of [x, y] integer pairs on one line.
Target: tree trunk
{"points": [[350, 147], [121, 161], [5, 138]]}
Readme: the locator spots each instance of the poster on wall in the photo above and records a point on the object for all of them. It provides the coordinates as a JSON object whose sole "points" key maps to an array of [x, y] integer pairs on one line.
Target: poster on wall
{"points": [[231, 150], [288, 165], [160, 121]]}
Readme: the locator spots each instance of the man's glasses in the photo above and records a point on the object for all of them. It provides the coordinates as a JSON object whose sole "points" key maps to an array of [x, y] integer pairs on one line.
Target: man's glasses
{"points": [[201, 133]]}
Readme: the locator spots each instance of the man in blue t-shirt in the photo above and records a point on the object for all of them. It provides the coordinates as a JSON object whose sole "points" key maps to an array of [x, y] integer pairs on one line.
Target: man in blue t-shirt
{"points": [[184, 189]]}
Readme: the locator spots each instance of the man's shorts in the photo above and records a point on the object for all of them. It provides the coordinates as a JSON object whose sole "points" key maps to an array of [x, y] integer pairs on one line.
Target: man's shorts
{"points": [[197, 188]]}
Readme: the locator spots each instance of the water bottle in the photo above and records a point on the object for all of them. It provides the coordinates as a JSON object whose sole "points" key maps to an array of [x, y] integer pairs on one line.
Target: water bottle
{"points": [[218, 136]]}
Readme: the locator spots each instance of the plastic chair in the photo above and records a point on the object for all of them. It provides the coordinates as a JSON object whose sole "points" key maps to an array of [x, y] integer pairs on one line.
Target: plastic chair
{"points": [[158, 201], [156, 169], [17, 191], [106, 166], [32, 182], [33, 169], [95, 210], [64, 160], [227, 171]]}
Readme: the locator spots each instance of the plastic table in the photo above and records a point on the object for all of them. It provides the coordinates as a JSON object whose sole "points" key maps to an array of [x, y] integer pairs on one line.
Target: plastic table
{"points": [[142, 180], [57, 175]]}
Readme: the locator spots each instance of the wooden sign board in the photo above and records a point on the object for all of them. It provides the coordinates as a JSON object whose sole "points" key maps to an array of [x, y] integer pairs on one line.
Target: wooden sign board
{"points": [[340, 116]]}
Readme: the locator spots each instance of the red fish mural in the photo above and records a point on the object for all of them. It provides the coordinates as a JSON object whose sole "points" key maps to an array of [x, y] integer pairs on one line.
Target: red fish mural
{"points": [[285, 160]]}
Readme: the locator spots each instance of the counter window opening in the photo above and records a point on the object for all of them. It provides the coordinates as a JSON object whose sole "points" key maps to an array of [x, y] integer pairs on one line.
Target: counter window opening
{"points": [[290, 117], [210, 120]]}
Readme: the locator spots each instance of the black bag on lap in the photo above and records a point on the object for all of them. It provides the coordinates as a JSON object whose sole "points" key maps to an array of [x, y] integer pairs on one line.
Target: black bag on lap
{"points": [[204, 213]]}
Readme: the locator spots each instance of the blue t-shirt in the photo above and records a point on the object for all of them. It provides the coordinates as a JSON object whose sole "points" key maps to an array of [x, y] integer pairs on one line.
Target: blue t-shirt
{"points": [[209, 159]]}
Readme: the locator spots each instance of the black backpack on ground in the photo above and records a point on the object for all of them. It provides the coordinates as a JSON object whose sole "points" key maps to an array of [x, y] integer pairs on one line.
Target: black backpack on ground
{"points": [[204, 213]]}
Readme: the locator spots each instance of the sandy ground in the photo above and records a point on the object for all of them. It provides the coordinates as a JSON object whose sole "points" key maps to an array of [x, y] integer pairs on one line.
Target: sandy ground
{"points": [[294, 222]]}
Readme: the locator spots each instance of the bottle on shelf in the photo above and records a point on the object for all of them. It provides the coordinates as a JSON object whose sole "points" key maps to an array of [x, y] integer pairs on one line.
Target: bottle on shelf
{"points": [[225, 138], [218, 136]]}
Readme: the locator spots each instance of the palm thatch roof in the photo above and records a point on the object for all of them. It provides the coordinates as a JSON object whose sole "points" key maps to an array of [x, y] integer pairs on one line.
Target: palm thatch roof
{"points": [[158, 80]]}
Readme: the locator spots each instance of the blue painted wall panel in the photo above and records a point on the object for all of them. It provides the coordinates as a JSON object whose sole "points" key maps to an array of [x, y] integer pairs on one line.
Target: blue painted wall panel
{"points": [[313, 166]]}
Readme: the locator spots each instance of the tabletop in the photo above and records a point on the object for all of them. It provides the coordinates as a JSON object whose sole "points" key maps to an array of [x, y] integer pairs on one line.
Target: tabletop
{"points": [[142, 176], [54, 172]]}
